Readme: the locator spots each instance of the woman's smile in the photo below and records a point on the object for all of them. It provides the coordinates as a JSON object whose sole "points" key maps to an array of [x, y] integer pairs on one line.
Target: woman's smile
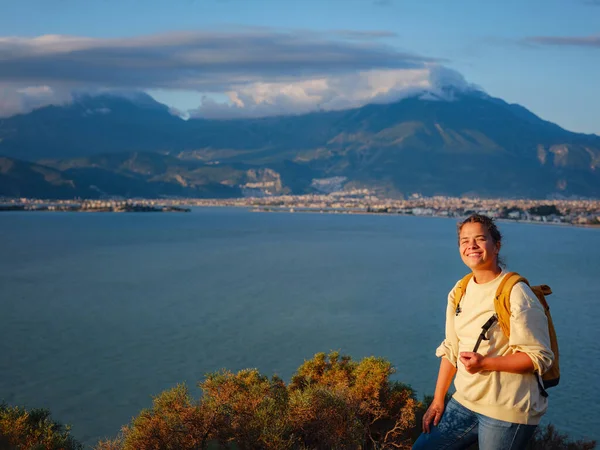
{"points": [[477, 248]]}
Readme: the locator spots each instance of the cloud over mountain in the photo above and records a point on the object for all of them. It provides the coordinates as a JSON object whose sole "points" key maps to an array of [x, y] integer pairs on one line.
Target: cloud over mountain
{"points": [[333, 92], [262, 71], [17, 99]]}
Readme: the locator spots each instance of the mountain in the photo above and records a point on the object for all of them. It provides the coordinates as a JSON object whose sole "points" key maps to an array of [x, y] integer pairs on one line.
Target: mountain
{"points": [[90, 125], [461, 143], [144, 174], [24, 179]]}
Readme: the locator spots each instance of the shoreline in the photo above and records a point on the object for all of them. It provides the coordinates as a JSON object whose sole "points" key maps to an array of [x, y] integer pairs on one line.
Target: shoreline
{"points": [[290, 210], [583, 213], [79, 209], [280, 209]]}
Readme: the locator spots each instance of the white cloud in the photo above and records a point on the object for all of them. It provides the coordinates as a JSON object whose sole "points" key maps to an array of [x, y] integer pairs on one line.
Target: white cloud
{"points": [[334, 93], [16, 99], [261, 71], [205, 61]]}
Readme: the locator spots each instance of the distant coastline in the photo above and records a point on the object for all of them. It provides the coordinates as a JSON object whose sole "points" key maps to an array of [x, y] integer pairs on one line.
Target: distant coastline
{"points": [[442, 216], [572, 212], [92, 207]]}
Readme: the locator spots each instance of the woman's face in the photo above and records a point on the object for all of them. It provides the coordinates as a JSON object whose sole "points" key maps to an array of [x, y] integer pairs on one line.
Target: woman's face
{"points": [[477, 248]]}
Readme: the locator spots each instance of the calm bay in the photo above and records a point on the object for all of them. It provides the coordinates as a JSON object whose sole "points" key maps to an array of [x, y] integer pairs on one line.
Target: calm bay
{"points": [[101, 311]]}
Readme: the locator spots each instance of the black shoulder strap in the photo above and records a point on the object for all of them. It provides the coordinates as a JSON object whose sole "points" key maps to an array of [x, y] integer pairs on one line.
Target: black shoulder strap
{"points": [[484, 329]]}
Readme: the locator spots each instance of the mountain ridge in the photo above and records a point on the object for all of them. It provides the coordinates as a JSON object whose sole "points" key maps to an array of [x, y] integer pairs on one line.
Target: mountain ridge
{"points": [[470, 143]]}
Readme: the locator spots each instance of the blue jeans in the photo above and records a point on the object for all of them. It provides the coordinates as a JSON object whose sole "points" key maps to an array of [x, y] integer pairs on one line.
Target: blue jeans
{"points": [[460, 428]]}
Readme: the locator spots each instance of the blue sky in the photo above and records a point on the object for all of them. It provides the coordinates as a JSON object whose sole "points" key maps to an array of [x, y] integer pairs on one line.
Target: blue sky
{"points": [[225, 58]]}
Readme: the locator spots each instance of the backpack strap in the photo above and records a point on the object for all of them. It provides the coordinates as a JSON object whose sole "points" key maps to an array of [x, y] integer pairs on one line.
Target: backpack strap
{"points": [[460, 290], [502, 299], [484, 329], [502, 306]]}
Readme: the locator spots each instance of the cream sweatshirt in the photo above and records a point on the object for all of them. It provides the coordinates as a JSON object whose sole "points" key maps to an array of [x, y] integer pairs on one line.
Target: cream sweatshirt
{"points": [[500, 395]]}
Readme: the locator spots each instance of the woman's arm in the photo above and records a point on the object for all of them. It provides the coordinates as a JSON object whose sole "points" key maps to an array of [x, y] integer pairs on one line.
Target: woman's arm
{"points": [[444, 380], [448, 352], [529, 339], [529, 328], [516, 363], [436, 409]]}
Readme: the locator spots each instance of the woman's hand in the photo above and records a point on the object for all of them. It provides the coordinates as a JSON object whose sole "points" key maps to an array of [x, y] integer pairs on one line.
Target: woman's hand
{"points": [[433, 413], [473, 362]]}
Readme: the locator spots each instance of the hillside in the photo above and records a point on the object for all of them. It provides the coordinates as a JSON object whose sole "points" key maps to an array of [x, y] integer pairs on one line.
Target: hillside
{"points": [[464, 143]]}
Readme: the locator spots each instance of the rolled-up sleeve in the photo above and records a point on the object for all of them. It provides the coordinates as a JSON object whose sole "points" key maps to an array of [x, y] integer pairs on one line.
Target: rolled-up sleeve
{"points": [[529, 328], [449, 346]]}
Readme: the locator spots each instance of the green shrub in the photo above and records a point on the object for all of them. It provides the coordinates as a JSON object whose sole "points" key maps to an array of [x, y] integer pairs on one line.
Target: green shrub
{"points": [[332, 402], [175, 422], [21, 429]]}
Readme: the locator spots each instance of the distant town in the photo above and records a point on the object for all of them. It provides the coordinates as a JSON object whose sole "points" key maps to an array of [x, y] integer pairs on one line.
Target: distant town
{"points": [[582, 212], [26, 204]]}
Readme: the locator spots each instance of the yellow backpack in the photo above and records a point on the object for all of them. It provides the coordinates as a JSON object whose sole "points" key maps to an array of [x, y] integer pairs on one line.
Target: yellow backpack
{"points": [[502, 307]]}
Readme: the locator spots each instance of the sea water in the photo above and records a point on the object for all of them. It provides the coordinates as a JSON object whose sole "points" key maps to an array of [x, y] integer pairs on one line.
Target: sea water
{"points": [[101, 311]]}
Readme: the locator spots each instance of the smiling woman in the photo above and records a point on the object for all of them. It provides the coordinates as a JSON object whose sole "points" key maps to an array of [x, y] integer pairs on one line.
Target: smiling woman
{"points": [[479, 244], [498, 400]]}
